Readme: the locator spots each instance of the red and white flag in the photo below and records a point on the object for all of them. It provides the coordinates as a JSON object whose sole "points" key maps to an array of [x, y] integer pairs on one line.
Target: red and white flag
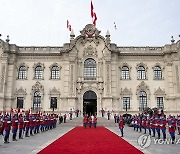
{"points": [[93, 14], [68, 25]]}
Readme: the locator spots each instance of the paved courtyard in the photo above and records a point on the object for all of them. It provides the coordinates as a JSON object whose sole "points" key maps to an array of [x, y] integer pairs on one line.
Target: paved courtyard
{"points": [[33, 144]]}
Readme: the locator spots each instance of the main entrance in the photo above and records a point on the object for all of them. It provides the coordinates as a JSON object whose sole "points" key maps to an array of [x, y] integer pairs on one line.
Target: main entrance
{"points": [[89, 103]]}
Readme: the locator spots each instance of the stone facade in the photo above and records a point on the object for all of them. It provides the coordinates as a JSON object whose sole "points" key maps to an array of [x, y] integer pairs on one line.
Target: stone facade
{"points": [[109, 84]]}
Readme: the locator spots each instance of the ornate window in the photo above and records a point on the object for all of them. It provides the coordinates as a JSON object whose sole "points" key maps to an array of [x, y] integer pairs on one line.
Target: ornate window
{"points": [[55, 72], [160, 104], [125, 73], [157, 73], [20, 102], [39, 72], [141, 73], [142, 100], [90, 69], [53, 104], [126, 103], [22, 74], [37, 101]]}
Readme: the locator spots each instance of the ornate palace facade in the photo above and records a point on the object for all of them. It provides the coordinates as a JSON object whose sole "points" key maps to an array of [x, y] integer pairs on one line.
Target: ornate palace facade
{"points": [[90, 73]]}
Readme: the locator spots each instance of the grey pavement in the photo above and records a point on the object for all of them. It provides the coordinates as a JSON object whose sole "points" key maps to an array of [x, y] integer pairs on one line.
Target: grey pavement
{"points": [[33, 144]]}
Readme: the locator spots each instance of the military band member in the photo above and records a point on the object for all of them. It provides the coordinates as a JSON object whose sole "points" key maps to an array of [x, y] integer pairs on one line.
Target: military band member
{"points": [[26, 122], [90, 121], [95, 121], [163, 127], [85, 121]]}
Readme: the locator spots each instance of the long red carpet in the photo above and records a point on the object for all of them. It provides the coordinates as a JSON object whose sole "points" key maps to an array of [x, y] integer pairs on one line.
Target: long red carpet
{"points": [[82, 140]]}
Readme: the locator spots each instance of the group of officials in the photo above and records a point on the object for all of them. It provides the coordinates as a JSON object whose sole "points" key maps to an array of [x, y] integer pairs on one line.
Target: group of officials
{"points": [[157, 124], [27, 125]]}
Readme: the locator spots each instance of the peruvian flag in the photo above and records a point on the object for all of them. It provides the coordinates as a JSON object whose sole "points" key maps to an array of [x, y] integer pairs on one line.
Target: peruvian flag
{"points": [[93, 14], [68, 25]]}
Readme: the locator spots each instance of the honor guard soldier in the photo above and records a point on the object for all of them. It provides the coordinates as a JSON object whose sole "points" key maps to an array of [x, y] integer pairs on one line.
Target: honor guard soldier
{"points": [[172, 128], [149, 125], [163, 123], [85, 121], [178, 124], [121, 125], [153, 126], [7, 128], [26, 122], [31, 124], [157, 126], [90, 121], [14, 127], [21, 124], [108, 114], [95, 121], [144, 124], [1, 125]]}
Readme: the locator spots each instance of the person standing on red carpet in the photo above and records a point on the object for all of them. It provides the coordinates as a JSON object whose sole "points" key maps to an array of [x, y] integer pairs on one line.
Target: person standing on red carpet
{"points": [[85, 121], [121, 125], [90, 121], [95, 121]]}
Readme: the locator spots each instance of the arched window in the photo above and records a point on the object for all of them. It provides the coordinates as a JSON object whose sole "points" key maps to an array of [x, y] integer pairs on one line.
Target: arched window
{"points": [[142, 100], [157, 72], [37, 101], [125, 72], [38, 72], [141, 73], [90, 69], [55, 72], [22, 74]]}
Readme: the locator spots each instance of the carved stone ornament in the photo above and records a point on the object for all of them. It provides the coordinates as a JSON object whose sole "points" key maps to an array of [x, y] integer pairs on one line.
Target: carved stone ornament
{"points": [[20, 92], [90, 33], [37, 87], [159, 92], [143, 87], [90, 51], [126, 92], [54, 92]]}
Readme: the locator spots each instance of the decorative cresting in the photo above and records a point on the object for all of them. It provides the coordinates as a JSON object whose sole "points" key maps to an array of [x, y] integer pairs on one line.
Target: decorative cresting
{"points": [[126, 92], [143, 87], [54, 92], [37, 87], [20, 92], [90, 33], [159, 92], [90, 51]]}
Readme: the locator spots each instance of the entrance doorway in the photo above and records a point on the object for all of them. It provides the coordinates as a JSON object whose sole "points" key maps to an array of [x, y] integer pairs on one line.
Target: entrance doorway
{"points": [[89, 103]]}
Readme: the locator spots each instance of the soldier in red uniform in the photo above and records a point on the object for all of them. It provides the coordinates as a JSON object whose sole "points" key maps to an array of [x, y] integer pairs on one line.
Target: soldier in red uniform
{"points": [[21, 124], [95, 121], [163, 126], [178, 124], [85, 121], [90, 121], [26, 122], [144, 124], [172, 128], [7, 128], [14, 127], [121, 125]]}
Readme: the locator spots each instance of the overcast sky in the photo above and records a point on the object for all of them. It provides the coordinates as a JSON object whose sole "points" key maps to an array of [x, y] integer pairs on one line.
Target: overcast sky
{"points": [[43, 22]]}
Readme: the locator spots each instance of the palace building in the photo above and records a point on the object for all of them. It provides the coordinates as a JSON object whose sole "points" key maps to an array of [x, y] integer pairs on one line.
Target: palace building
{"points": [[88, 74]]}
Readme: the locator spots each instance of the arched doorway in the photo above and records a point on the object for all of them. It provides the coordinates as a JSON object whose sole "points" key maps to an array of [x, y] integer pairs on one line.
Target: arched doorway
{"points": [[90, 103]]}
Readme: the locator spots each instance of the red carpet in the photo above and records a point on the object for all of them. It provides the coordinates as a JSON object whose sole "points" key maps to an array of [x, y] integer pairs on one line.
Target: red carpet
{"points": [[90, 141]]}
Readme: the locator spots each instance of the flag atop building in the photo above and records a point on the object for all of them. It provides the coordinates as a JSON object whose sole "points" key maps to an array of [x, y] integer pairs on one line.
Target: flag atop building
{"points": [[93, 14], [68, 25]]}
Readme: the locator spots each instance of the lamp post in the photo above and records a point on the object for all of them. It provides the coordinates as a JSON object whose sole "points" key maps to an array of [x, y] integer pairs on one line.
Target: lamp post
{"points": [[126, 109]]}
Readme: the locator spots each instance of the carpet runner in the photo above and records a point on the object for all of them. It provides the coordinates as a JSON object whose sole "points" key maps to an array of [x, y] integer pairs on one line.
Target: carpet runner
{"points": [[82, 140]]}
